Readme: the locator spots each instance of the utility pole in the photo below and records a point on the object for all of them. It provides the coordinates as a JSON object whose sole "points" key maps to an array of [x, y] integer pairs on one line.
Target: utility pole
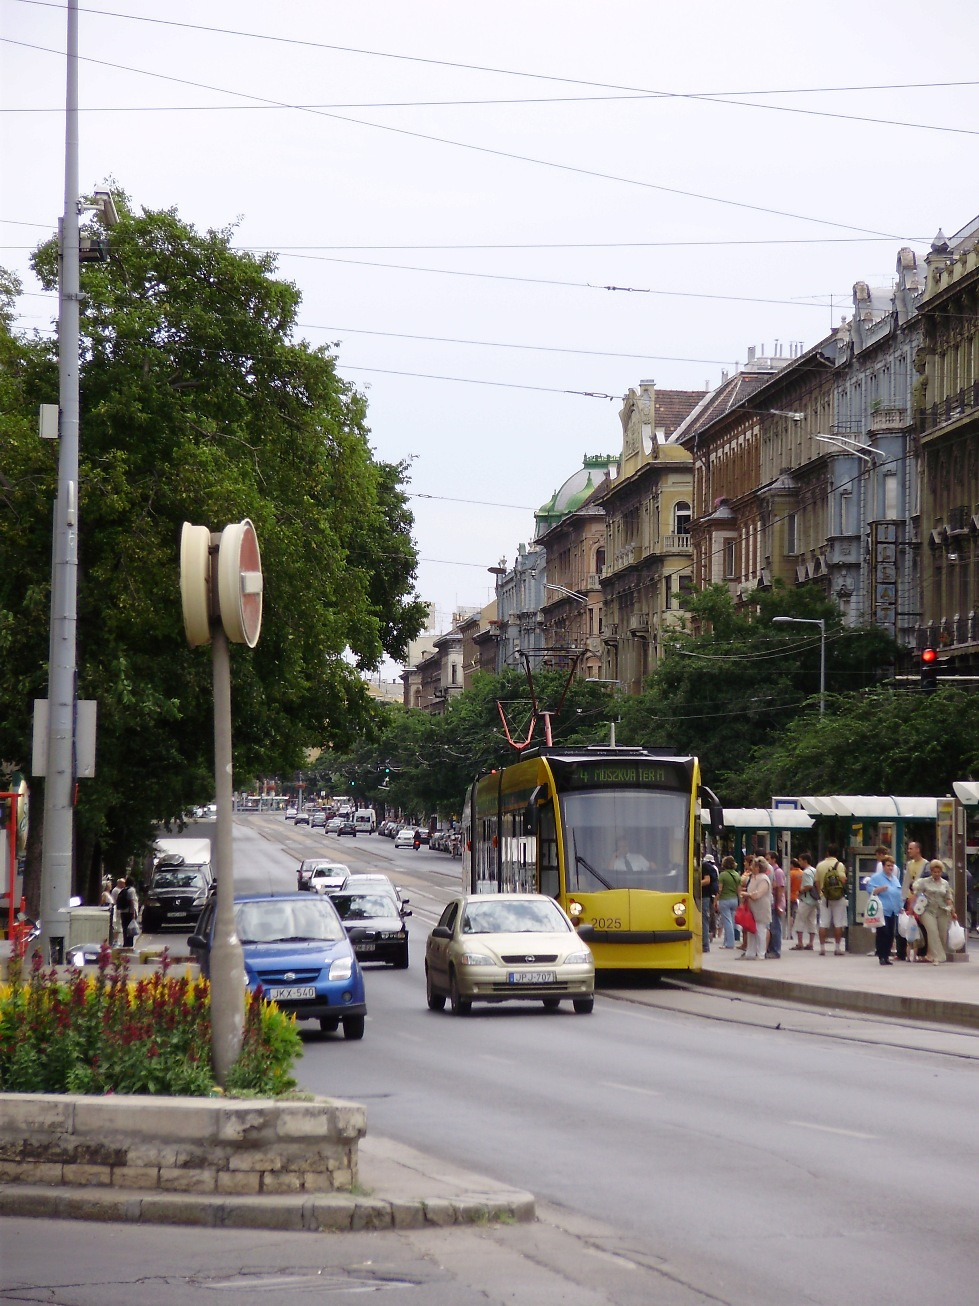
{"points": [[59, 784]]}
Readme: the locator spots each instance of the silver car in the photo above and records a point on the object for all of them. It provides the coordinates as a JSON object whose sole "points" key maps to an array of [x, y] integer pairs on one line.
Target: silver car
{"points": [[504, 947]]}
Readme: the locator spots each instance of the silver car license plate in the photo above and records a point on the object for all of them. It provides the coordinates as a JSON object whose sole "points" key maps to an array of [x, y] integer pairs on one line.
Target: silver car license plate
{"points": [[293, 994], [531, 977]]}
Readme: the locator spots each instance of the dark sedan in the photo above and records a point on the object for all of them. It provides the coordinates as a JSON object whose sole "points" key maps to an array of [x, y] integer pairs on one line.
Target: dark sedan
{"points": [[375, 923], [347, 827]]}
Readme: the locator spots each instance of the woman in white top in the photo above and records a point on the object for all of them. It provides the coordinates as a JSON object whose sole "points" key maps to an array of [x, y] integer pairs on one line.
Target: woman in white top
{"points": [[939, 909]]}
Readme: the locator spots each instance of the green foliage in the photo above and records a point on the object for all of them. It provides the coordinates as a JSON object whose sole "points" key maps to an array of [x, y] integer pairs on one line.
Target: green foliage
{"points": [[108, 1034], [729, 690], [197, 404], [881, 742]]}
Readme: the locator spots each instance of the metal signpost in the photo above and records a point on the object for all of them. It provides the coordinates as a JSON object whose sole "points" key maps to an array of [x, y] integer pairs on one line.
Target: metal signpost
{"points": [[221, 593]]}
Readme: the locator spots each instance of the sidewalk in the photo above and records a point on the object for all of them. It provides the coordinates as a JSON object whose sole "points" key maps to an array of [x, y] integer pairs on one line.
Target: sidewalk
{"points": [[947, 994]]}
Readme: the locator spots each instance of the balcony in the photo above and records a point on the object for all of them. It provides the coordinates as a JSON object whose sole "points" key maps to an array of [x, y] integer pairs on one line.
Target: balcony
{"points": [[676, 543], [639, 625], [889, 419], [950, 409]]}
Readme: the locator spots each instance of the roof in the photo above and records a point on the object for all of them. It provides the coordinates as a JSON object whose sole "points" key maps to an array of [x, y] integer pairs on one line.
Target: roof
{"points": [[672, 406], [868, 807], [766, 818]]}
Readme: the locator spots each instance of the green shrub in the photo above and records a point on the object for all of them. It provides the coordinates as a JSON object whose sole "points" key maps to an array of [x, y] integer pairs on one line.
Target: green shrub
{"points": [[106, 1033]]}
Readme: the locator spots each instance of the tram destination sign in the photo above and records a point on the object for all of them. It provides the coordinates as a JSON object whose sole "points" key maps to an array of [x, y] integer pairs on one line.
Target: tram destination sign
{"points": [[632, 773]]}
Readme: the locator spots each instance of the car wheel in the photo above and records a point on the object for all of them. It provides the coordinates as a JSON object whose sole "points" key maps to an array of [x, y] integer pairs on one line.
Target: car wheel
{"points": [[584, 1006], [460, 1006], [436, 1001], [401, 961], [551, 1004], [353, 1027], [329, 1024]]}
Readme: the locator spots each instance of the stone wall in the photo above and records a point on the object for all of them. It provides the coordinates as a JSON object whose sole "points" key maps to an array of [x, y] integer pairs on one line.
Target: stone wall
{"points": [[180, 1144]]}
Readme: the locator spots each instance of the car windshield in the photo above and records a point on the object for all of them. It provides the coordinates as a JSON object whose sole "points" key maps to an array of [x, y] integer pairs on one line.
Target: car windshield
{"points": [[285, 920], [177, 880], [626, 839], [364, 906], [514, 916]]}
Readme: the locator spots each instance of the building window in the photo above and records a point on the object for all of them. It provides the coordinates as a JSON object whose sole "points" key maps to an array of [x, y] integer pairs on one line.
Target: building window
{"points": [[791, 542], [846, 509], [730, 559], [890, 496], [599, 561], [681, 519]]}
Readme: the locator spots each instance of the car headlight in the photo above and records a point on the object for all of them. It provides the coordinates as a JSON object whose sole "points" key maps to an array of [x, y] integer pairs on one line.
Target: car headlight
{"points": [[577, 959], [341, 968], [475, 959]]}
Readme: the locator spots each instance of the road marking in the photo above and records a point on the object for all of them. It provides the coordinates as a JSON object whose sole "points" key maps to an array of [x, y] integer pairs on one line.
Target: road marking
{"points": [[829, 1129], [632, 1088]]}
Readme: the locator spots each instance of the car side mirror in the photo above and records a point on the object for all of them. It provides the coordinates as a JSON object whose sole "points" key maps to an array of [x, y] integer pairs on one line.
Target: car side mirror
{"points": [[197, 941], [405, 911], [441, 932]]}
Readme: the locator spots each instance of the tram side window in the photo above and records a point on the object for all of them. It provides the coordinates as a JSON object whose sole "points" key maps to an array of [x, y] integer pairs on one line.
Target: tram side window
{"points": [[547, 851]]}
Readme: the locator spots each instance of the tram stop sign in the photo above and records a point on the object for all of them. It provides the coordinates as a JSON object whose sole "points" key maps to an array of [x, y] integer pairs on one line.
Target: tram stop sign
{"points": [[238, 582]]}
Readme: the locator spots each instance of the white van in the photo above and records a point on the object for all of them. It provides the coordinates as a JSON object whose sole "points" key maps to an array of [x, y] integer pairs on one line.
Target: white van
{"points": [[365, 820]]}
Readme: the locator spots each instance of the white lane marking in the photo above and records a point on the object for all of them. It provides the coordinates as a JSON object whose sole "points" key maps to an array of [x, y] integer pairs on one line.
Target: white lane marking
{"points": [[631, 1088], [829, 1129]]}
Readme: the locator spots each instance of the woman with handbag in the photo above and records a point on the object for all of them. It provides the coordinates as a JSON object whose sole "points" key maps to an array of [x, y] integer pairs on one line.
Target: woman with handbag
{"points": [[934, 907], [758, 895]]}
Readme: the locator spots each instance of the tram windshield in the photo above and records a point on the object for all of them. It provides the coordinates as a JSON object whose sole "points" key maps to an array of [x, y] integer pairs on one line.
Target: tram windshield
{"points": [[626, 839]]}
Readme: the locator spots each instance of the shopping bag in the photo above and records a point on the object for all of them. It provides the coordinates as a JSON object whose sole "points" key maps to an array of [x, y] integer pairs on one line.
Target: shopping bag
{"points": [[744, 918], [904, 924], [956, 937], [873, 913]]}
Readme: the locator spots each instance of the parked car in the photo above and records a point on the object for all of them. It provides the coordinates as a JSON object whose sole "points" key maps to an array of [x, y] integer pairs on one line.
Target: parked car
{"points": [[317, 820], [405, 838], [175, 896], [298, 953], [347, 827], [374, 919], [334, 872], [503, 947]]}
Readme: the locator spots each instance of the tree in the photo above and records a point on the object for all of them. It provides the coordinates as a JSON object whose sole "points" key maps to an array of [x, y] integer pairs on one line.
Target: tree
{"points": [[726, 692], [198, 404], [879, 742]]}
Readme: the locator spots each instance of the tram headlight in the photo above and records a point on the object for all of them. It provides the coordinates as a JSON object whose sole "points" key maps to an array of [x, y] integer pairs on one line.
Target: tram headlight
{"points": [[679, 909], [574, 909]]}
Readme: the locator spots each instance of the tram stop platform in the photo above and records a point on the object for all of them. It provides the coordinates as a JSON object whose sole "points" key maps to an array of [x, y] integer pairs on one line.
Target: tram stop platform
{"points": [[856, 981]]}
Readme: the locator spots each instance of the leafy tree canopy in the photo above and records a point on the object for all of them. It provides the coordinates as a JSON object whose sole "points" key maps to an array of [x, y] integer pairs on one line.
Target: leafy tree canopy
{"points": [[197, 404]]}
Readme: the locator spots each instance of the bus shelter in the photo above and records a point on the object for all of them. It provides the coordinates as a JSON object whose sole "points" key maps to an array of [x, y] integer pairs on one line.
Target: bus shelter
{"points": [[760, 829], [862, 823]]}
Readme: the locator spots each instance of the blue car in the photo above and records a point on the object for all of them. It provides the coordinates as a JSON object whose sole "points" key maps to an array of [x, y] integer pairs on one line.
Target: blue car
{"points": [[297, 951]]}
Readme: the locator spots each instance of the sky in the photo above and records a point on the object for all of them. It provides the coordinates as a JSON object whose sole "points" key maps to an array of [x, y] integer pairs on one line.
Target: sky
{"points": [[454, 188]]}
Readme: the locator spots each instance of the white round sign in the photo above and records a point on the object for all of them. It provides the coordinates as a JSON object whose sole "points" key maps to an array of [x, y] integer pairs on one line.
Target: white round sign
{"points": [[195, 583], [240, 583]]}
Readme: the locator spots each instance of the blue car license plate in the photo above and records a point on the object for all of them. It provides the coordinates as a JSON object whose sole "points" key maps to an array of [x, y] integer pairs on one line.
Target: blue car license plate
{"points": [[293, 994], [531, 977]]}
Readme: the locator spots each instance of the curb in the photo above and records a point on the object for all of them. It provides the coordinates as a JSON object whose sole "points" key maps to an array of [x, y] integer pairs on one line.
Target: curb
{"points": [[324, 1213], [940, 1011]]}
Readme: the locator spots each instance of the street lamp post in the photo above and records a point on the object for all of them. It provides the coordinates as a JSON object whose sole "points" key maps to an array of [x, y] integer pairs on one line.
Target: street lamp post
{"points": [[812, 621]]}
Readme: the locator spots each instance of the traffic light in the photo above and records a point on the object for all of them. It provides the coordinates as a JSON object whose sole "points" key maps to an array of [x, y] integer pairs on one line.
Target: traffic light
{"points": [[929, 669]]}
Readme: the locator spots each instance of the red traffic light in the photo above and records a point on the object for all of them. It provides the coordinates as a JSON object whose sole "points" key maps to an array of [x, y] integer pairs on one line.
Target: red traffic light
{"points": [[929, 657]]}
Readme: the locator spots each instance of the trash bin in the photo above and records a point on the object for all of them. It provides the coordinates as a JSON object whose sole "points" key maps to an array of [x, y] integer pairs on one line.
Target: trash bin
{"points": [[88, 925]]}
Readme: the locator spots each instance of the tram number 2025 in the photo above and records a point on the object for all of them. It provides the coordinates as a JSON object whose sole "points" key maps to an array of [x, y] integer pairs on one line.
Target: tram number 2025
{"points": [[607, 922]]}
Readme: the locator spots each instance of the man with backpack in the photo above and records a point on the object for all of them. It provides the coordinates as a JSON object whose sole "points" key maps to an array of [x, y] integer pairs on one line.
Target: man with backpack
{"points": [[831, 879], [708, 888]]}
